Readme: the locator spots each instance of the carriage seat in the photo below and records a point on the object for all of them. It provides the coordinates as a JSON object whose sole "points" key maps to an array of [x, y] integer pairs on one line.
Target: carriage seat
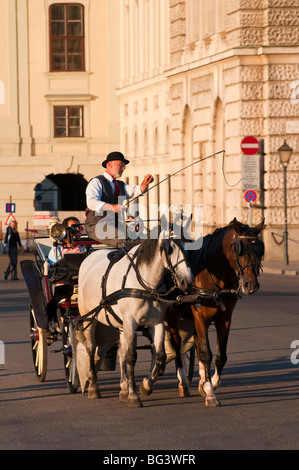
{"points": [[64, 274], [67, 268]]}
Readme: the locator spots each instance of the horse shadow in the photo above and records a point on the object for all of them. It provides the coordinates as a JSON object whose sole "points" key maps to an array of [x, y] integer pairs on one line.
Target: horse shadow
{"points": [[260, 380]]}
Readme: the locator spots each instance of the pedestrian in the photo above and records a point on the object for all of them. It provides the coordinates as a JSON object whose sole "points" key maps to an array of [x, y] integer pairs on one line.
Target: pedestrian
{"points": [[11, 242], [104, 199]]}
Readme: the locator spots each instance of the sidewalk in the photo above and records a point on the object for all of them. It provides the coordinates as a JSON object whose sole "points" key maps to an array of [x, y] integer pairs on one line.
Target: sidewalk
{"points": [[279, 267]]}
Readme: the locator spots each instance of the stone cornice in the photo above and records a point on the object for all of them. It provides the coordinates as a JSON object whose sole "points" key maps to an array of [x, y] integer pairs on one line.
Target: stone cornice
{"points": [[234, 53]]}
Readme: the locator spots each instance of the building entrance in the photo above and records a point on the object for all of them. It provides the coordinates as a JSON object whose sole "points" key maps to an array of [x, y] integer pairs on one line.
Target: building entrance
{"points": [[61, 192]]}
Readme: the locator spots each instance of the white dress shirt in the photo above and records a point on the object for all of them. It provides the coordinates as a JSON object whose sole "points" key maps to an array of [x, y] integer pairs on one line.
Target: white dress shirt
{"points": [[94, 192]]}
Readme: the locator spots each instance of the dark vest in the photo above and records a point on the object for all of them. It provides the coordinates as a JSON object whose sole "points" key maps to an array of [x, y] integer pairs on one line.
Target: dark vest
{"points": [[107, 196]]}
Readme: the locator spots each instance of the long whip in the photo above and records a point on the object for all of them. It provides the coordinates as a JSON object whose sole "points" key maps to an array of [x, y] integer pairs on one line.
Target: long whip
{"points": [[173, 174]]}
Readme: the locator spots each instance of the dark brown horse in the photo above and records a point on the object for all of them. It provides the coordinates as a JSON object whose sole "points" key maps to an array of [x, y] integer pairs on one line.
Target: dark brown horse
{"points": [[227, 264]]}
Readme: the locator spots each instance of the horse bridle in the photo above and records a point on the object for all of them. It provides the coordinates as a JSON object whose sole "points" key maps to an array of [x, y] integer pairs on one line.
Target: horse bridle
{"points": [[171, 267], [165, 248], [237, 243], [216, 294]]}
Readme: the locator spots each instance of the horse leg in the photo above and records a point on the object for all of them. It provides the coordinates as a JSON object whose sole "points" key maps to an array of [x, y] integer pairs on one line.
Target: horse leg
{"points": [[204, 352], [123, 394], [180, 363], [93, 390], [128, 357], [158, 360], [222, 328]]}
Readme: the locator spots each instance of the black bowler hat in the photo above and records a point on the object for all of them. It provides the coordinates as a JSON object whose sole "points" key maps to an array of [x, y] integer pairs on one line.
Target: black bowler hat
{"points": [[114, 156]]}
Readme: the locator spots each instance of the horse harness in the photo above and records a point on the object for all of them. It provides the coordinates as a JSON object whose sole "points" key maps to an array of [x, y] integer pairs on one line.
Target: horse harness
{"points": [[147, 294], [238, 247], [217, 293]]}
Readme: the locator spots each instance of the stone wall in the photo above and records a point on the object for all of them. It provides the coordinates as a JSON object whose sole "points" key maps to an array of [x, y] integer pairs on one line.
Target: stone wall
{"points": [[248, 83]]}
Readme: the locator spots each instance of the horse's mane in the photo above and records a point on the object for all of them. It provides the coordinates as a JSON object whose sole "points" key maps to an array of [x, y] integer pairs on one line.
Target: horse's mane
{"points": [[146, 251], [254, 251], [220, 229]]}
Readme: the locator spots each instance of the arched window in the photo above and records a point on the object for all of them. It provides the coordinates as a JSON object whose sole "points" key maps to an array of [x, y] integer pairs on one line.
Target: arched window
{"points": [[145, 143], [167, 139], [156, 140], [66, 37], [135, 141]]}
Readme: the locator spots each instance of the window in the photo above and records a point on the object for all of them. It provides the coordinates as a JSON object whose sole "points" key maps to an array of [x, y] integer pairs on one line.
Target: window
{"points": [[66, 37], [68, 121]]}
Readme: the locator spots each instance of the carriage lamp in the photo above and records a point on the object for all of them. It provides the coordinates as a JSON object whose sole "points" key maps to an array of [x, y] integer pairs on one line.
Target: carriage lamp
{"points": [[285, 153], [57, 232]]}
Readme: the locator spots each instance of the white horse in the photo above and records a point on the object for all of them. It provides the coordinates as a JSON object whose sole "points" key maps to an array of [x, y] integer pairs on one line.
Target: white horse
{"points": [[136, 277]]}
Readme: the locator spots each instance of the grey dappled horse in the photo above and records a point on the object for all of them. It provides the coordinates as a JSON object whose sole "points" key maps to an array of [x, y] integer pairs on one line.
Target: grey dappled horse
{"points": [[142, 272]]}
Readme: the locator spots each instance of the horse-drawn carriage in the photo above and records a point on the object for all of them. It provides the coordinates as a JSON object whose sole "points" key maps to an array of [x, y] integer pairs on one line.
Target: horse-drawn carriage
{"points": [[55, 317], [227, 264]]}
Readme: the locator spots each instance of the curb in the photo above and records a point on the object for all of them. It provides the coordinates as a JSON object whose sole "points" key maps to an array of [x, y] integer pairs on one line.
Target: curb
{"points": [[287, 272]]}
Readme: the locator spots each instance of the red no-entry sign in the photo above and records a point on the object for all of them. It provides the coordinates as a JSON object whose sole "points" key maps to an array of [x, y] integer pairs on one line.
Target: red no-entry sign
{"points": [[249, 145]]}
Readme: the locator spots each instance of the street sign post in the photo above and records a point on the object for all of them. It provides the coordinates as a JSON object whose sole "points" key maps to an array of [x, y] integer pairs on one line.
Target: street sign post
{"points": [[10, 207], [250, 163], [251, 172], [249, 145], [10, 219], [250, 196]]}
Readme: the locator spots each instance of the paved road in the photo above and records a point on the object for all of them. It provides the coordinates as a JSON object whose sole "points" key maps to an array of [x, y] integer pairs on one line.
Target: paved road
{"points": [[259, 391]]}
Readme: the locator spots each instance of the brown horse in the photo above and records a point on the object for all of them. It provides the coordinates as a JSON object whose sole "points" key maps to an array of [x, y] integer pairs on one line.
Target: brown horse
{"points": [[228, 263]]}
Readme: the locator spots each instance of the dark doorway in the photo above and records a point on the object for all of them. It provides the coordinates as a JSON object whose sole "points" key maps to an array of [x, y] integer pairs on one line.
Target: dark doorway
{"points": [[61, 192]]}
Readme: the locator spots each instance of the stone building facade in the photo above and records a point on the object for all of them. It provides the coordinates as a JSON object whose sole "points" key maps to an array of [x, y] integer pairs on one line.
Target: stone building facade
{"points": [[168, 82], [223, 70], [58, 107]]}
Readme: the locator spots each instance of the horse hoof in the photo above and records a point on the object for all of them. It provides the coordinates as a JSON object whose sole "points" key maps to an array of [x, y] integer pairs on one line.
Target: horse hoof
{"points": [[212, 402], [184, 391], [135, 402], [145, 389], [94, 394], [123, 396]]}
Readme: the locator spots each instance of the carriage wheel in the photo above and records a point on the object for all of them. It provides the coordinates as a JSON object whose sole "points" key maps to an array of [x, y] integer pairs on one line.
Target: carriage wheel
{"points": [[69, 355], [39, 347]]}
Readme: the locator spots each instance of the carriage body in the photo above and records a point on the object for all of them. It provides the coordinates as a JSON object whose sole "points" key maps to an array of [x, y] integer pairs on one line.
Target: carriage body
{"points": [[54, 306]]}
